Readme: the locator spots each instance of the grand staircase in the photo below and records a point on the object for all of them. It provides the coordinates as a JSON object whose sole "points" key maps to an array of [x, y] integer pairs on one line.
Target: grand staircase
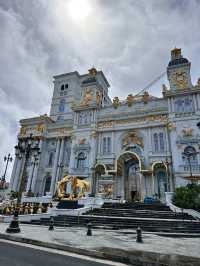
{"points": [[154, 217]]}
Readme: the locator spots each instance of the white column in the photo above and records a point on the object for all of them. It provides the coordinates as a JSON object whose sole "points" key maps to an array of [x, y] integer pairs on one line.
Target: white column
{"points": [[13, 176], [113, 142], [30, 176], [169, 105], [59, 161], [195, 103], [172, 103], [55, 167], [198, 101], [17, 175]]}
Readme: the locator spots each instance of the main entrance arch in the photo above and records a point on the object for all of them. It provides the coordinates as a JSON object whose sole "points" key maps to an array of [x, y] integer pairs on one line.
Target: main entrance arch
{"points": [[128, 166]]}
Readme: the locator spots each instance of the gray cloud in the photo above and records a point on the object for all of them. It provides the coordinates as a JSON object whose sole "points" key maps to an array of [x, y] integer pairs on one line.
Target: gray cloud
{"points": [[129, 40]]}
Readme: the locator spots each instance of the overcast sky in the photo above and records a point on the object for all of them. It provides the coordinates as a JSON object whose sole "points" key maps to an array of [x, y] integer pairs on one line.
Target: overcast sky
{"points": [[129, 40]]}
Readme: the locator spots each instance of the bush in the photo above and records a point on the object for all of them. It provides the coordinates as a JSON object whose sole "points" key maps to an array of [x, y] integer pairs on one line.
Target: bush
{"points": [[187, 197]]}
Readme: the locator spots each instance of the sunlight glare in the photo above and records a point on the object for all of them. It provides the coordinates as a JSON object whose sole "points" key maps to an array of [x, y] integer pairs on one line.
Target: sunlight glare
{"points": [[79, 9]]}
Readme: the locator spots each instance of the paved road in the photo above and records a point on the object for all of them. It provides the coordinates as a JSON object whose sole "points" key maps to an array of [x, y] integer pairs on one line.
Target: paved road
{"points": [[19, 254]]}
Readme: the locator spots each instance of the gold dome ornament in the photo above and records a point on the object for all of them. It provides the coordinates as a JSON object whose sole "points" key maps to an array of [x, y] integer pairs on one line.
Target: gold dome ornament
{"points": [[116, 102], [145, 97], [92, 71], [130, 100]]}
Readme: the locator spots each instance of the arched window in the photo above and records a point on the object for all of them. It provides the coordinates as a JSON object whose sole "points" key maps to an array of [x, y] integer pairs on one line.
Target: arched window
{"points": [[188, 105], [62, 106], [81, 160], [161, 140], [179, 106], [155, 138], [190, 156]]}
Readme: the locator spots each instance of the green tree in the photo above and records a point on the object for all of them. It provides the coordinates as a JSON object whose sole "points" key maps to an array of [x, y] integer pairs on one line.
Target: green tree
{"points": [[187, 197]]}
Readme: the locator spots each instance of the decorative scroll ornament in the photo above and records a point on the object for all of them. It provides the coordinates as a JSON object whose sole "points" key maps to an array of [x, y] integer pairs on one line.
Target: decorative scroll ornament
{"points": [[40, 127], [129, 100], [187, 132], [180, 79], [98, 97], [23, 131], [116, 102], [93, 134], [171, 126], [132, 138], [82, 141], [107, 190], [87, 97], [145, 97]]}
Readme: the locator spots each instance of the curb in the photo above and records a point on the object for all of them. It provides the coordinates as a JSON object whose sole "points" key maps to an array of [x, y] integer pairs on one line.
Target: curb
{"points": [[131, 257]]}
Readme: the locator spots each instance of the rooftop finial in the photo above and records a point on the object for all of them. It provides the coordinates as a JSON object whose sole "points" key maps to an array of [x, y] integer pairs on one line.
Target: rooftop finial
{"points": [[92, 71], [176, 53]]}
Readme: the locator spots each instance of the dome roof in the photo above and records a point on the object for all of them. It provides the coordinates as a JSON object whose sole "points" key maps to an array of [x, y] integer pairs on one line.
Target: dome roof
{"points": [[178, 61]]}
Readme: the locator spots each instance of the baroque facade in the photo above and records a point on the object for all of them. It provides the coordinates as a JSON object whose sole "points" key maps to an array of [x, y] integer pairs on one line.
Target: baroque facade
{"points": [[142, 146]]}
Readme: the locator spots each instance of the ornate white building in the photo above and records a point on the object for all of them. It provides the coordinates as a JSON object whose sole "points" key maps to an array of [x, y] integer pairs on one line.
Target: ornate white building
{"points": [[142, 146]]}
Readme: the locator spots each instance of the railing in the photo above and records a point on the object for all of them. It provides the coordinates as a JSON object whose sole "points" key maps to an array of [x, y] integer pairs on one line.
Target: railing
{"points": [[169, 196], [186, 168]]}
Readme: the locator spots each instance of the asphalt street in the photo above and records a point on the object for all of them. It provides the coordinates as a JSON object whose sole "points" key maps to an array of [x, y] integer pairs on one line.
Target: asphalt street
{"points": [[14, 254]]}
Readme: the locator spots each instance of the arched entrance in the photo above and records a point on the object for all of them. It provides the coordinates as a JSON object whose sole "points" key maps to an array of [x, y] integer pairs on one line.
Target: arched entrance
{"points": [[160, 180], [128, 171], [100, 170]]}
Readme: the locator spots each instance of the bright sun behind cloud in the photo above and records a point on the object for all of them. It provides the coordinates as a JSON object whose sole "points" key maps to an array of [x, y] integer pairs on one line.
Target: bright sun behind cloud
{"points": [[79, 9]]}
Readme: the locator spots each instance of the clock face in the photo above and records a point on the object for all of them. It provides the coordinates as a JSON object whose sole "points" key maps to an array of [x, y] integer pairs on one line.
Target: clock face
{"points": [[179, 79]]}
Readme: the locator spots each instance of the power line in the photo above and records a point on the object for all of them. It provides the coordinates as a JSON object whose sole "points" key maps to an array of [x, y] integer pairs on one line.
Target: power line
{"points": [[151, 83]]}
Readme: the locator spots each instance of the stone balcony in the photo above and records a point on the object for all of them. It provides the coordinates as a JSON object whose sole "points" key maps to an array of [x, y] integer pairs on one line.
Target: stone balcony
{"points": [[186, 168]]}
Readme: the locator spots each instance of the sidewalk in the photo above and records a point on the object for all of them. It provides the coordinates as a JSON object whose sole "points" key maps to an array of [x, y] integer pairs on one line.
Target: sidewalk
{"points": [[116, 245]]}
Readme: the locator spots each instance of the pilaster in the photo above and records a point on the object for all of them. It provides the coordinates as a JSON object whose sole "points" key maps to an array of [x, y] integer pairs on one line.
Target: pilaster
{"points": [[13, 176], [55, 166]]}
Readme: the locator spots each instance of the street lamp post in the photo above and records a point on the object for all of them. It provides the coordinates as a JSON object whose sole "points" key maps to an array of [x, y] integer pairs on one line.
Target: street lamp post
{"points": [[7, 159], [23, 148], [34, 163]]}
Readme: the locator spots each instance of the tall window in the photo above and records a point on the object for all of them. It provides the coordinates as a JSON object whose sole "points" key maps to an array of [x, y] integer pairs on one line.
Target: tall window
{"points": [[47, 184], [159, 144], [184, 105], [161, 140], [155, 138], [51, 159], [106, 145], [81, 160], [62, 106]]}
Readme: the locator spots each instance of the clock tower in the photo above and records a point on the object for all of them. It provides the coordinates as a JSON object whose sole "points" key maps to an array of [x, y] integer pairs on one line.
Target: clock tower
{"points": [[178, 71]]}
